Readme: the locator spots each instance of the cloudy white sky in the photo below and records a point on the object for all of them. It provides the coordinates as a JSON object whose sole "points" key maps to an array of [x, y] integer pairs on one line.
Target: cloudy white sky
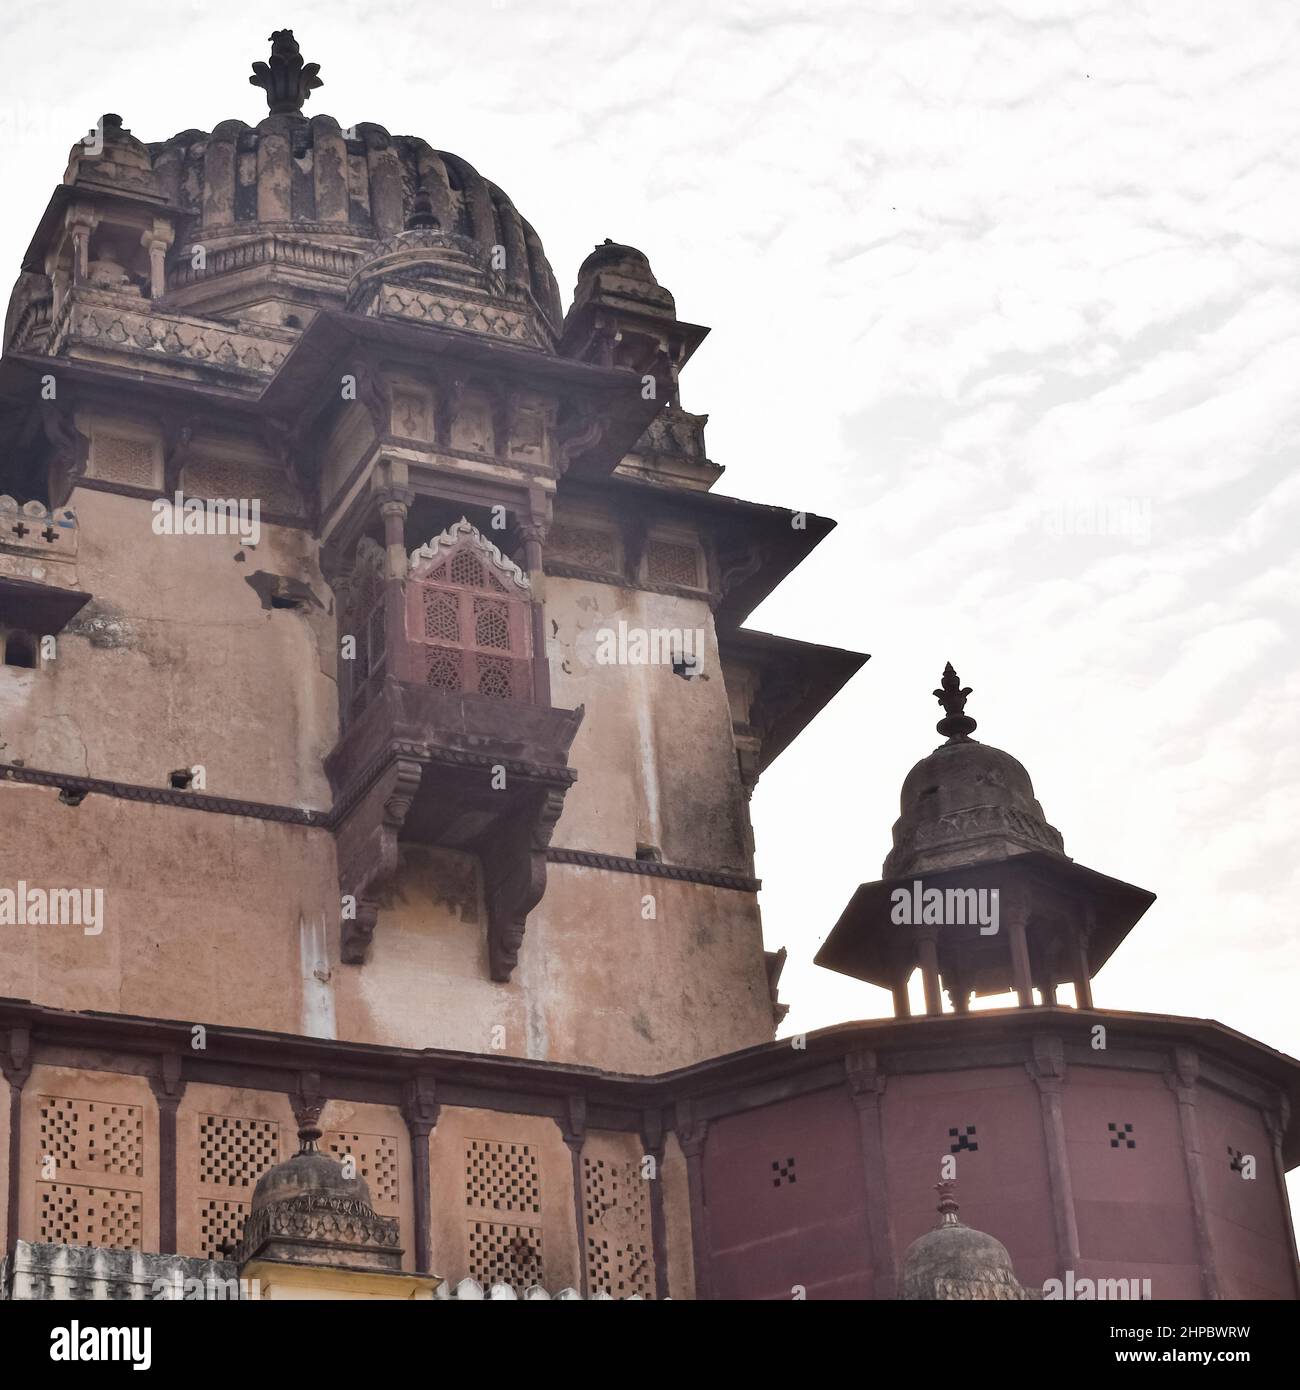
{"points": [[984, 278]]}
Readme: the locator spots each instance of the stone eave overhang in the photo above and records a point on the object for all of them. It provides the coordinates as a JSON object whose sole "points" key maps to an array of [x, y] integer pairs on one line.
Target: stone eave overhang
{"points": [[20, 374], [781, 545], [66, 193], [818, 672], [330, 340], [831, 1056], [36, 607], [579, 322], [863, 944]]}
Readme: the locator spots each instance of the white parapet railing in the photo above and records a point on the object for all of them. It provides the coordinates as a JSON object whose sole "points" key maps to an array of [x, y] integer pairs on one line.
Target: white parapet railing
{"points": [[470, 1291]]}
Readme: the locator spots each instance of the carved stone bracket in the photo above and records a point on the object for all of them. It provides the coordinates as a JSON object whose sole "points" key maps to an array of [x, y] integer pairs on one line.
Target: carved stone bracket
{"points": [[367, 850], [16, 1058], [1048, 1066], [69, 451], [573, 1121], [420, 1105], [864, 1079], [468, 773], [514, 872]]}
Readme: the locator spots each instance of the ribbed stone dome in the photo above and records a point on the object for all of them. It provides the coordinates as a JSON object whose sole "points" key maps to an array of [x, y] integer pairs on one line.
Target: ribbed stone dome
{"points": [[308, 174], [614, 273], [965, 803], [308, 1174], [307, 1211], [957, 1262]]}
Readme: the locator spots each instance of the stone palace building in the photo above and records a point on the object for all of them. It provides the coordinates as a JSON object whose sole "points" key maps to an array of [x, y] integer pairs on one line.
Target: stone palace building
{"points": [[378, 719]]}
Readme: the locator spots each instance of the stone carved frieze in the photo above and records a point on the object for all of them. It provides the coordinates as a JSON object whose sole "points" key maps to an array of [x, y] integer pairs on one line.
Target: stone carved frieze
{"points": [[103, 321], [446, 311], [985, 820], [333, 1220]]}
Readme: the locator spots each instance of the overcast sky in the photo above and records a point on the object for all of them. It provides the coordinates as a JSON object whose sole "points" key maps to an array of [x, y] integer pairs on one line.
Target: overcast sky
{"points": [[1009, 289]]}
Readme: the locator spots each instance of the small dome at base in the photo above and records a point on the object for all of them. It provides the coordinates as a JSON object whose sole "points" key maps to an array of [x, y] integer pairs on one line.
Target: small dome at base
{"points": [[955, 1262]]}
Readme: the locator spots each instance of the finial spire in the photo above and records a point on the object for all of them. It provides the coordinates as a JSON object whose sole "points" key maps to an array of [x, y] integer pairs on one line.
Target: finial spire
{"points": [[287, 81], [955, 726], [947, 1203], [309, 1130]]}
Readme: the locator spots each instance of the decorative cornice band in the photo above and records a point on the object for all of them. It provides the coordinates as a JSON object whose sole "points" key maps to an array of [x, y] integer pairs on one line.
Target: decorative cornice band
{"points": [[618, 864], [166, 796]]}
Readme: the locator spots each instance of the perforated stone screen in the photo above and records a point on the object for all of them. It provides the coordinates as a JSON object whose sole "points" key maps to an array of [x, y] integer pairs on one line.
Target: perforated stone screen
{"points": [[502, 1176], [235, 1152], [503, 1179], [221, 1223], [617, 1222], [503, 1254], [72, 1214], [671, 562], [91, 1136], [587, 547], [376, 1160]]}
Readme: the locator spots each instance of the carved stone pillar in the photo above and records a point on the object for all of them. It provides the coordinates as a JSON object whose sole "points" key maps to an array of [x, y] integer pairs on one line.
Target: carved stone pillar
{"points": [[654, 1138], [533, 531], [394, 505], [1017, 915], [81, 223], [692, 1132], [573, 1125], [16, 1063], [1276, 1121], [420, 1110], [168, 1087], [1048, 1070], [1082, 975], [1181, 1080], [866, 1085], [928, 950], [156, 240], [902, 1001]]}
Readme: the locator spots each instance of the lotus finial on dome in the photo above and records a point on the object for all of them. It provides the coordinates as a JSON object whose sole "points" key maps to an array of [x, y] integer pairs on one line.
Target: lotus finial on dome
{"points": [[955, 726], [287, 80]]}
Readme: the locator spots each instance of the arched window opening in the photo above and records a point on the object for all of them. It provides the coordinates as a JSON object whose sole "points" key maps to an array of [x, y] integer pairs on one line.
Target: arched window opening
{"points": [[468, 617]]}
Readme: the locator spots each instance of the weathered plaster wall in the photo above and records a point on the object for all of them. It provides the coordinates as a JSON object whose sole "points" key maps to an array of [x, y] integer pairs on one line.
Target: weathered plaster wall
{"points": [[784, 1190], [175, 661], [1133, 1205], [1254, 1253], [597, 983], [655, 758], [627, 993], [204, 914]]}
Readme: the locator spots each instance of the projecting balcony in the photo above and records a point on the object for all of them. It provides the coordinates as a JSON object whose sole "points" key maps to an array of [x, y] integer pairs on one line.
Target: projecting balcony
{"points": [[445, 743]]}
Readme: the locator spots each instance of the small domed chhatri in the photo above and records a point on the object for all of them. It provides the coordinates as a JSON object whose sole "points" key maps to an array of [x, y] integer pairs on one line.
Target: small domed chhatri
{"points": [[957, 1262], [966, 802], [978, 890], [308, 1210]]}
